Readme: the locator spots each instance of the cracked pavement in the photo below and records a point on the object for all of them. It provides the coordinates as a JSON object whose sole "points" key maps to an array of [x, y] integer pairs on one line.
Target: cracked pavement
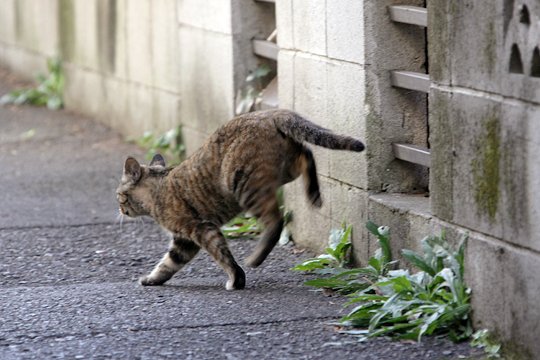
{"points": [[69, 270]]}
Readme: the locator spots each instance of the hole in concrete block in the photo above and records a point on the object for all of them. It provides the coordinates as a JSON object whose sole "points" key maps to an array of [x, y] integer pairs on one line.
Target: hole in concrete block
{"points": [[516, 65], [535, 63], [524, 16]]}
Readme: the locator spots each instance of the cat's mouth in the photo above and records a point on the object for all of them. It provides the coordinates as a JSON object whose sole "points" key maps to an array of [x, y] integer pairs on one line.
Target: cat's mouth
{"points": [[124, 211]]}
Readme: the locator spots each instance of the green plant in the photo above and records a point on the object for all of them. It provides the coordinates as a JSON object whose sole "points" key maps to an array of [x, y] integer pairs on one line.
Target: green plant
{"points": [[241, 226], [398, 303], [337, 258], [336, 255], [169, 144], [49, 91], [249, 97], [484, 340]]}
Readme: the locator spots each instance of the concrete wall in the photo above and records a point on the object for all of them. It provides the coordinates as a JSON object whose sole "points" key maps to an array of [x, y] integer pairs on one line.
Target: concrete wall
{"points": [[485, 142], [334, 64], [140, 65]]}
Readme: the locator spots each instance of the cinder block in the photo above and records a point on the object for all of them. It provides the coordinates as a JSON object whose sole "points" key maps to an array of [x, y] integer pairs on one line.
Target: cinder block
{"points": [[439, 33], [310, 226], [120, 41], [286, 83], [23, 62], [476, 166], [484, 172], [309, 19], [215, 15], [407, 216], [87, 92], [456, 30], [505, 292], [350, 205], [310, 98], [193, 139], [139, 41], [345, 115], [165, 45], [115, 107], [284, 24], [468, 33], [140, 107], [165, 110], [36, 25], [341, 203], [345, 30], [85, 51], [206, 107], [8, 20]]}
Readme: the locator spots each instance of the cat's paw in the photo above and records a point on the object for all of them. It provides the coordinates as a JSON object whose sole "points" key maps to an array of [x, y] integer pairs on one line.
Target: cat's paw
{"points": [[149, 281], [238, 283]]}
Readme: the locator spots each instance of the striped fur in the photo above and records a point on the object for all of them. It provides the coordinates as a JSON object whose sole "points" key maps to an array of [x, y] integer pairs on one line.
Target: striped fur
{"points": [[239, 168]]}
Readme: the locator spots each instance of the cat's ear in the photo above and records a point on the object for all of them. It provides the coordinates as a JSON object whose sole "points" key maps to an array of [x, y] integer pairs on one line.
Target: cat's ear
{"points": [[157, 160], [132, 169]]}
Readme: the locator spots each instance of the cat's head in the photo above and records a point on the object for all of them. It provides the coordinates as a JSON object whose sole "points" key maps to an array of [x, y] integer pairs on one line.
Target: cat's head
{"points": [[135, 194]]}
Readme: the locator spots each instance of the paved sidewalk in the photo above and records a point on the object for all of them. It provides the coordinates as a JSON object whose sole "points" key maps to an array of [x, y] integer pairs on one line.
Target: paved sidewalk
{"points": [[69, 271]]}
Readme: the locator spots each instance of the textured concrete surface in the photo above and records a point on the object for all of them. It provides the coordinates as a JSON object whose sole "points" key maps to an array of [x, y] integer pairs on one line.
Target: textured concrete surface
{"points": [[69, 269]]}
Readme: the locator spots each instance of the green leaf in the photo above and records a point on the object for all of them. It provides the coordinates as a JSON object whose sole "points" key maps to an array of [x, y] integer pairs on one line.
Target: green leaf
{"points": [[372, 228], [418, 261]]}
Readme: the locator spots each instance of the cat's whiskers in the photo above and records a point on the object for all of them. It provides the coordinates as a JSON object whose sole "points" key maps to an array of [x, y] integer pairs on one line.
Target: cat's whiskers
{"points": [[120, 218]]}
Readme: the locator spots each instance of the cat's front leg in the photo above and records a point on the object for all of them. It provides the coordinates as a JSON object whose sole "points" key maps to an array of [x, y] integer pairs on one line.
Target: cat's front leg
{"points": [[209, 237], [179, 254]]}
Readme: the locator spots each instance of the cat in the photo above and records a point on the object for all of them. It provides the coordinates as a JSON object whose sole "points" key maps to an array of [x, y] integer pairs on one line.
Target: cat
{"points": [[238, 169]]}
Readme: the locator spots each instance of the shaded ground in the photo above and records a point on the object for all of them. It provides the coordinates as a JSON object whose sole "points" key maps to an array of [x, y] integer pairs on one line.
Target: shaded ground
{"points": [[69, 270]]}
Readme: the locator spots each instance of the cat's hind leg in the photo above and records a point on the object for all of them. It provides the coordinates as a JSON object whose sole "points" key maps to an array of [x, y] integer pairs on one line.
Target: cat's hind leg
{"points": [[179, 254], [267, 211]]}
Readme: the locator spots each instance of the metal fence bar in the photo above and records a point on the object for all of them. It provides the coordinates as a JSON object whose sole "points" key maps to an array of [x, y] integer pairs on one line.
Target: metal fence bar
{"points": [[412, 153], [265, 49], [406, 14], [410, 80], [268, 1]]}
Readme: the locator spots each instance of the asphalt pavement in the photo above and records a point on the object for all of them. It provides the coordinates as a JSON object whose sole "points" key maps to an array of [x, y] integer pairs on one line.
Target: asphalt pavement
{"points": [[69, 269]]}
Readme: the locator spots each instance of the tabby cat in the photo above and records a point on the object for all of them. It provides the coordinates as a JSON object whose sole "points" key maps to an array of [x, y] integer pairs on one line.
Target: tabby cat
{"points": [[239, 168]]}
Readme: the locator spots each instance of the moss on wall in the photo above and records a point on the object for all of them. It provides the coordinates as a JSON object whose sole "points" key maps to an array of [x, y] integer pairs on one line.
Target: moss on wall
{"points": [[485, 168]]}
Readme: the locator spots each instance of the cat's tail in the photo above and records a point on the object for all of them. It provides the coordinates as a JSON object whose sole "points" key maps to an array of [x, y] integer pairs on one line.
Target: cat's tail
{"points": [[300, 129]]}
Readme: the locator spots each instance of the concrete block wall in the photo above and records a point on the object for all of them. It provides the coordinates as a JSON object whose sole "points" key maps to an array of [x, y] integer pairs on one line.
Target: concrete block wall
{"points": [[484, 179], [333, 67], [140, 65], [321, 72]]}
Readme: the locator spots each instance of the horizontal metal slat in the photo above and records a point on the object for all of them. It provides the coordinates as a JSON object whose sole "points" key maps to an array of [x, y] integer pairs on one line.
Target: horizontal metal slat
{"points": [[412, 153], [265, 49], [414, 15], [411, 80], [268, 1]]}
